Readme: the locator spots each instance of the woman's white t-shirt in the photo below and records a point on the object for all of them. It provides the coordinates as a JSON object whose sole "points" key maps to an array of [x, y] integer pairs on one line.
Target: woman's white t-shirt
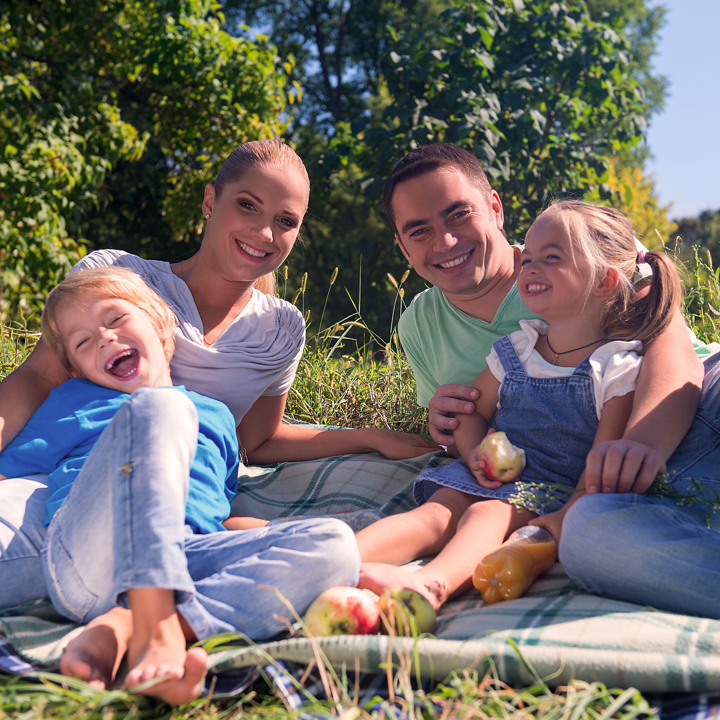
{"points": [[256, 355]]}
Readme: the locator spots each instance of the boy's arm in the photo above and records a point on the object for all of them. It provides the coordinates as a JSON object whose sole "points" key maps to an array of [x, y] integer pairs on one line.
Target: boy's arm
{"points": [[473, 428], [666, 398], [613, 420], [26, 388]]}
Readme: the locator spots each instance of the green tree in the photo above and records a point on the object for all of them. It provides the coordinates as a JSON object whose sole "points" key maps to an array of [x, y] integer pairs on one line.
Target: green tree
{"points": [[89, 86]]}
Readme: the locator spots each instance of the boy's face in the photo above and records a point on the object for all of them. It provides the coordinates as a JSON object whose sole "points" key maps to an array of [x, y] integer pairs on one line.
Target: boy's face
{"points": [[112, 343]]}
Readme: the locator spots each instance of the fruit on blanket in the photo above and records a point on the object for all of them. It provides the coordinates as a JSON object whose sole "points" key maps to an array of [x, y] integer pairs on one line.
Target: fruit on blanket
{"points": [[503, 461], [406, 612], [343, 611], [509, 571]]}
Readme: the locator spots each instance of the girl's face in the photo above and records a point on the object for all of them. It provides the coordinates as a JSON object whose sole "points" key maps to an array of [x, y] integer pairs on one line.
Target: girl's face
{"points": [[552, 283], [255, 221]]}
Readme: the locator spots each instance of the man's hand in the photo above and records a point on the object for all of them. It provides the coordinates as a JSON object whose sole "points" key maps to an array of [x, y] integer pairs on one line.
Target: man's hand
{"points": [[448, 401], [622, 466]]}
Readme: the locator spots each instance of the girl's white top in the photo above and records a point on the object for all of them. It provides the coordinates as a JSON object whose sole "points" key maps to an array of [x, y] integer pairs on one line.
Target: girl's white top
{"points": [[614, 366], [256, 355]]}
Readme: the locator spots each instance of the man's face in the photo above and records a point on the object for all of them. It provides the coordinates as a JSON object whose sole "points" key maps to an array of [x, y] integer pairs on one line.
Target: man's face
{"points": [[112, 343], [449, 230]]}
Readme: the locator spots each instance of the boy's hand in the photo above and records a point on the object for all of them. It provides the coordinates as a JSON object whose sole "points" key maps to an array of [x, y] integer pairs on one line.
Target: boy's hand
{"points": [[448, 401], [399, 445], [622, 466]]}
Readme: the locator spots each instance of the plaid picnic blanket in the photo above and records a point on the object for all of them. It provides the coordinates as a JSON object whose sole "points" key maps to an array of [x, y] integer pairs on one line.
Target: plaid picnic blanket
{"points": [[556, 631]]}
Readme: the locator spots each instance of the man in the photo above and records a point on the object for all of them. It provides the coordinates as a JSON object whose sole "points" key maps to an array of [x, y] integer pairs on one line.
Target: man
{"points": [[448, 223]]}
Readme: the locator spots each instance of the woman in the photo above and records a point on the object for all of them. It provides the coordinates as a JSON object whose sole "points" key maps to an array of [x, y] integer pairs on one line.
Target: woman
{"points": [[234, 343]]}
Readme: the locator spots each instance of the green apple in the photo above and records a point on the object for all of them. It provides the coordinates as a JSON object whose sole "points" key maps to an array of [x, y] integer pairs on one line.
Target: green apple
{"points": [[406, 612]]}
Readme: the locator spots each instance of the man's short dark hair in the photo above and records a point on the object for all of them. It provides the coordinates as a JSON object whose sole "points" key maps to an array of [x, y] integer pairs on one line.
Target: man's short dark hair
{"points": [[427, 158]]}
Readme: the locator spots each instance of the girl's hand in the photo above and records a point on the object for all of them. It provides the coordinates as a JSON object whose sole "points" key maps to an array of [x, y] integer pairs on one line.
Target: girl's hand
{"points": [[477, 467], [622, 466], [399, 445], [448, 401], [552, 522]]}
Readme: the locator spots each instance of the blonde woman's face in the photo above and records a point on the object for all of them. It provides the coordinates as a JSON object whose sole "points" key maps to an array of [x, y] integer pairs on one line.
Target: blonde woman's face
{"points": [[254, 223]]}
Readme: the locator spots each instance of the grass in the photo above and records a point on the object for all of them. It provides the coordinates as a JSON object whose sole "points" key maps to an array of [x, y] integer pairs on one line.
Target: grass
{"points": [[350, 376]]}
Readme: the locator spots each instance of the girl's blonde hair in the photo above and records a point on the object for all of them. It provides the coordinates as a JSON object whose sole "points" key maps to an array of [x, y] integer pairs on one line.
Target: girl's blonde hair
{"points": [[604, 237], [107, 282], [252, 155]]}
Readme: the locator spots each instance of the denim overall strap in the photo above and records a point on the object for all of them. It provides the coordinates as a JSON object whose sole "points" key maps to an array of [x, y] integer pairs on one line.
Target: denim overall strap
{"points": [[553, 419]]}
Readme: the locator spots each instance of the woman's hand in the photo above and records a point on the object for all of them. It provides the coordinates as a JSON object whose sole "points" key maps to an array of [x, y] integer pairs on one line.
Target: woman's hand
{"points": [[399, 445], [622, 466], [448, 401], [552, 522]]}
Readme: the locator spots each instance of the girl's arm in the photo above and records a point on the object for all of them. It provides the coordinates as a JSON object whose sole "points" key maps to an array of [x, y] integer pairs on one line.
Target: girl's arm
{"points": [[613, 421], [26, 388], [265, 439], [666, 398], [472, 428]]}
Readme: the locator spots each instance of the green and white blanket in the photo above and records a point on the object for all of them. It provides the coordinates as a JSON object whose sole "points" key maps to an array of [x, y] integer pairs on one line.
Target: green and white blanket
{"points": [[557, 630]]}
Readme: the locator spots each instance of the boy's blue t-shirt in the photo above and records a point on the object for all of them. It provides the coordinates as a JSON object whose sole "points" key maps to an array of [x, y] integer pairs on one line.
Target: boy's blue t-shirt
{"points": [[60, 435]]}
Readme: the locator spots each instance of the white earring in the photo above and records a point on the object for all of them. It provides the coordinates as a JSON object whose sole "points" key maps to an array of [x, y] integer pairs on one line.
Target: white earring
{"points": [[207, 217]]}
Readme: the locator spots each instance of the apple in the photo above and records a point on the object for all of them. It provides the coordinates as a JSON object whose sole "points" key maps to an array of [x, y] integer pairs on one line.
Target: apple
{"points": [[503, 461], [343, 611], [406, 612]]}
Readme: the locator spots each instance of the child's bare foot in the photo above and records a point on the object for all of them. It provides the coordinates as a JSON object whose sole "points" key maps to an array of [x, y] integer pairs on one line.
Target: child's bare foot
{"points": [[379, 576], [95, 655], [158, 650]]}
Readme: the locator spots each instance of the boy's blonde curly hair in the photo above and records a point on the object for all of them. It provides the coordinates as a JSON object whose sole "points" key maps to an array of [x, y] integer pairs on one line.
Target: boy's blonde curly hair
{"points": [[107, 282]]}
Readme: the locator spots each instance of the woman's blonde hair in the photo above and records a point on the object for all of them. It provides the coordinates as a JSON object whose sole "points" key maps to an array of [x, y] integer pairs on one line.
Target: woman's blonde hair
{"points": [[252, 155], [604, 237], [107, 282]]}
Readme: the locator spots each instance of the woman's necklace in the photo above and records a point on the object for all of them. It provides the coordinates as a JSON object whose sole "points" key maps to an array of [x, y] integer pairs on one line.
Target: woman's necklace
{"points": [[558, 354]]}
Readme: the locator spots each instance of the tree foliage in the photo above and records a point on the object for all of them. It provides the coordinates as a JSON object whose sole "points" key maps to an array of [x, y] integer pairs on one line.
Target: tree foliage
{"points": [[88, 86]]}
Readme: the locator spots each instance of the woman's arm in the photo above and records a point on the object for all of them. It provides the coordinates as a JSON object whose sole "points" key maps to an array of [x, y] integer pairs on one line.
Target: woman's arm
{"points": [[26, 388], [265, 439], [666, 398]]}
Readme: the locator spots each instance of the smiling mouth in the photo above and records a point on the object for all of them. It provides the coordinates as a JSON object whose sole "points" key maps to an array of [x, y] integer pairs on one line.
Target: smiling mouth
{"points": [[124, 364], [454, 263], [251, 251], [536, 287]]}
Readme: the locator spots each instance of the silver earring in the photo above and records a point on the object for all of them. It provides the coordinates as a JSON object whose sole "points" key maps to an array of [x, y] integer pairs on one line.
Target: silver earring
{"points": [[207, 217]]}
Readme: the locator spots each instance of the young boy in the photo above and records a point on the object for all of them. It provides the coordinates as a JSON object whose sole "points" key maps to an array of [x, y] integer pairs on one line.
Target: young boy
{"points": [[141, 478]]}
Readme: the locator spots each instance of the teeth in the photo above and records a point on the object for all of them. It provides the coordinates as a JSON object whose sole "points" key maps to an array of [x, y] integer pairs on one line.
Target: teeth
{"points": [[535, 287], [454, 263], [112, 363], [251, 251]]}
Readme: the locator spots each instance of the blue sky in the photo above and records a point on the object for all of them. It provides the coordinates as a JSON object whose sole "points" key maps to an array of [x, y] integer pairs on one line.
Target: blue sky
{"points": [[685, 137]]}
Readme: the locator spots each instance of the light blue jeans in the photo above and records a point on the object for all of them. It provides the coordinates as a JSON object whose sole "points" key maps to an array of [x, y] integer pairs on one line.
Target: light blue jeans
{"points": [[22, 511], [122, 527], [650, 550]]}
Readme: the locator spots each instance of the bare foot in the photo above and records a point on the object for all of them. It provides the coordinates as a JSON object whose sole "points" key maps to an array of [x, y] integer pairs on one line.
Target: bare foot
{"points": [[95, 655], [162, 654], [379, 576]]}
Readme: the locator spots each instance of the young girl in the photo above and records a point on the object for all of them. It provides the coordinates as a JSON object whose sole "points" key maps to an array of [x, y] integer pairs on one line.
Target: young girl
{"points": [[556, 388]]}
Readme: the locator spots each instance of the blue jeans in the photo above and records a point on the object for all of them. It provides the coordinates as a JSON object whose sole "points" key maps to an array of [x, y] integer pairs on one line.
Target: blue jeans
{"points": [[22, 511], [650, 550], [122, 527]]}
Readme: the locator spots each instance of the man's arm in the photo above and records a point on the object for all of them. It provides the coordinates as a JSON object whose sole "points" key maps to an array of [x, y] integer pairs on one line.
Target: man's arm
{"points": [[26, 388], [666, 399]]}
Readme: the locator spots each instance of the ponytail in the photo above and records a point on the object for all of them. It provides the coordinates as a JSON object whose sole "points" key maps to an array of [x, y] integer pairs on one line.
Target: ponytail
{"points": [[646, 317], [266, 284]]}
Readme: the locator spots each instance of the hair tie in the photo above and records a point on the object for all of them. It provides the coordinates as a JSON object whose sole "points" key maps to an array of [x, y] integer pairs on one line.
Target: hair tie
{"points": [[644, 270]]}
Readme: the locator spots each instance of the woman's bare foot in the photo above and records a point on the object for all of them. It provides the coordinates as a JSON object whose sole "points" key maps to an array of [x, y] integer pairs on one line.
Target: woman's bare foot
{"points": [[158, 649], [95, 655], [379, 576]]}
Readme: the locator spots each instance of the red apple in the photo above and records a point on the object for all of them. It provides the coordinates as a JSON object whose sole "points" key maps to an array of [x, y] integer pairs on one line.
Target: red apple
{"points": [[503, 461], [343, 611]]}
